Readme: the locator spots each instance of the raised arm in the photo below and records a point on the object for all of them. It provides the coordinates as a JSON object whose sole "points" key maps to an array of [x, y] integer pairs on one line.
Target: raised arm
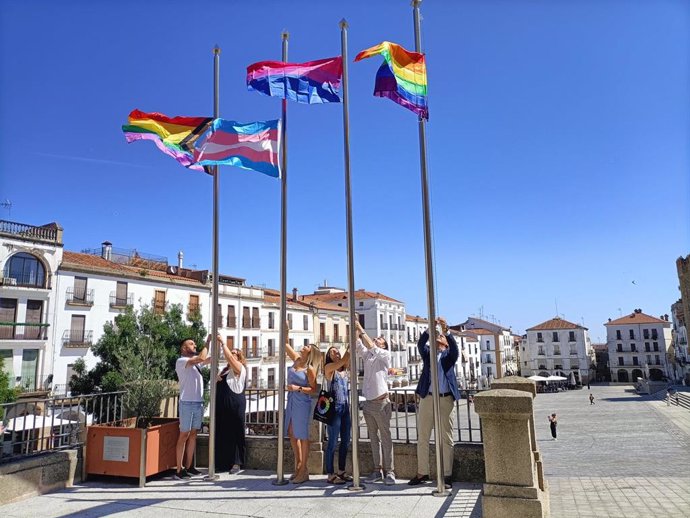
{"points": [[330, 368], [292, 354], [368, 343], [200, 358]]}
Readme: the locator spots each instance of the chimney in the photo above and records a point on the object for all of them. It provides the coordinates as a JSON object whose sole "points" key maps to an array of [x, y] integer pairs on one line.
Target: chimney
{"points": [[666, 317], [294, 294], [107, 250], [180, 257]]}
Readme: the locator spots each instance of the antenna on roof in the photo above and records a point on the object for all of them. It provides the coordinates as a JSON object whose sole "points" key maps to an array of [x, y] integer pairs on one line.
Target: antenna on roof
{"points": [[7, 204]]}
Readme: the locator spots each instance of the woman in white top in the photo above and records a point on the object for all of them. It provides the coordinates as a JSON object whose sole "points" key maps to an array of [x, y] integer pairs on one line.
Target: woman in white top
{"points": [[230, 412]]}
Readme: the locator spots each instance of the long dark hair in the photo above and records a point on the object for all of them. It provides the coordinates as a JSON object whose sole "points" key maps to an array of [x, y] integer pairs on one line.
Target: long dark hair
{"points": [[328, 357]]}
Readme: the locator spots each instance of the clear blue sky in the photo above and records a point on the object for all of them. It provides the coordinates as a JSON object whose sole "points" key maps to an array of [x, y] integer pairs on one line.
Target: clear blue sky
{"points": [[558, 146]]}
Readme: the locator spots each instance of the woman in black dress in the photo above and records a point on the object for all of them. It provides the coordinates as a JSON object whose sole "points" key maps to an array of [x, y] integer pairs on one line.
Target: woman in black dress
{"points": [[230, 412]]}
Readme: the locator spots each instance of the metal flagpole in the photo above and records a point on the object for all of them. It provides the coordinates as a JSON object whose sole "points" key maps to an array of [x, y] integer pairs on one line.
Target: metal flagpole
{"points": [[354, 400], [280, 480], [429, 260], [214, 304]]}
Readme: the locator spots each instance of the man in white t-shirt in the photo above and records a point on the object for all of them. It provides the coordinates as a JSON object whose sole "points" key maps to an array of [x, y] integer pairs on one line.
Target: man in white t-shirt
{"points": [[191, 404]]}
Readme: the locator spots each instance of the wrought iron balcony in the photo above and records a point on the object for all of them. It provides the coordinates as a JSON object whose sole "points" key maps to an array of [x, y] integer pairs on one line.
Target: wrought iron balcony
{"points": [[121, 302], [77, 338], [79, 297], [23, 331]]}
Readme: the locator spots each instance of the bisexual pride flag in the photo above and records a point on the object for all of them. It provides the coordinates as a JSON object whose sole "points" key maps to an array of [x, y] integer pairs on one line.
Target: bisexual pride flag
{"points": [[254, 146], [314, 82]]}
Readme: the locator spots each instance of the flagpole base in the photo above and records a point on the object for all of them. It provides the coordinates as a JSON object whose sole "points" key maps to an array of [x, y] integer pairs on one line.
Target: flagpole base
{"points": [[210, 478], [441, 494], [352, 487], [281, 482]]}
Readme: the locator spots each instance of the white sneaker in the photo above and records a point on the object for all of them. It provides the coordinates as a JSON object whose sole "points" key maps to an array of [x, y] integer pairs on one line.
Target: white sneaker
{"points": [[375, 476], [389, 480]]}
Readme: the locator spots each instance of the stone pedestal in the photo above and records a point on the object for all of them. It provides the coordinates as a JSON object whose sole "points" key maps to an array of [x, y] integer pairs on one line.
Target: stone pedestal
{"points": [[315, 462], [512, 487]]}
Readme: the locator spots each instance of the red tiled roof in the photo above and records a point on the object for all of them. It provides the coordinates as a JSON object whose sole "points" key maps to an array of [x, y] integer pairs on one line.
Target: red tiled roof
{"points": [[96, 264], [636, 318], [417, 319], [480, 331], [553, 324], [359, 294]]}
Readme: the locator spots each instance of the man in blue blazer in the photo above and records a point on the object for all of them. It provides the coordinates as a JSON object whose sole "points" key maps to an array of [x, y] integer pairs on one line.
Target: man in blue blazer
{"points": [[447, 357]]}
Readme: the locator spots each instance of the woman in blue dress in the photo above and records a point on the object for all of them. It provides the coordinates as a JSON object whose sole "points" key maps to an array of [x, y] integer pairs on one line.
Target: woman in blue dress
{"points": [[301, 386]]}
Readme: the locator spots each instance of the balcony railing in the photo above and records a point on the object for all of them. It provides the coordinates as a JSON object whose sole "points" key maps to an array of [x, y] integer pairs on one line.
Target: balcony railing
{"points": [[384, 326], [77, 338], [324, 339], [49, 234], [121, 302], [23, 331], [79, 297]]}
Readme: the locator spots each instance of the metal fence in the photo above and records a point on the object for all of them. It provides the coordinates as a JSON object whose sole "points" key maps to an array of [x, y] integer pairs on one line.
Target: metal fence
{"points": [[262, 405], [35, 426]]}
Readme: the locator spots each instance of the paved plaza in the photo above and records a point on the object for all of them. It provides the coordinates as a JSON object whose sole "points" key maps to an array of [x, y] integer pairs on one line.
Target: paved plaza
{"points": [[626, 456]]}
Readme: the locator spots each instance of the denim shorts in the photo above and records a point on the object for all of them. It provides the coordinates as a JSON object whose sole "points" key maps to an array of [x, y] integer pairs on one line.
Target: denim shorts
{"points": [[191, 413]]}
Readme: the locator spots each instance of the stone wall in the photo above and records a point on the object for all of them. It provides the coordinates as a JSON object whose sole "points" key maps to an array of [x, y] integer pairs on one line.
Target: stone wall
{"points": [[262, 453], [39, 474]]}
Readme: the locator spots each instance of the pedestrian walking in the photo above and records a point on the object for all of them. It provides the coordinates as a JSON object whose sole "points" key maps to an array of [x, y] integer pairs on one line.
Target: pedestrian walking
{"points": [[591, 398], [587, 384], [668, 397], [553, 422]]}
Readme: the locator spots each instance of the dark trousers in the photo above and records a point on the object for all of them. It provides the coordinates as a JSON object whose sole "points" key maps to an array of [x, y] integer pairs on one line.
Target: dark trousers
{"points": [[553, 430], [341, 426]]}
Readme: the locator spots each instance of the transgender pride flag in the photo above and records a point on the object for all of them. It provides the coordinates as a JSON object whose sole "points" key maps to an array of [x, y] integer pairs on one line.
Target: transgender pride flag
{"points": [[314, 82], [252, 146]]}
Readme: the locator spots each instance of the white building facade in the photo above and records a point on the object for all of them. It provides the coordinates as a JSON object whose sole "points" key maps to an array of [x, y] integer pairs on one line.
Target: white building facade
{"points": [[559, 348], [638, 345]]}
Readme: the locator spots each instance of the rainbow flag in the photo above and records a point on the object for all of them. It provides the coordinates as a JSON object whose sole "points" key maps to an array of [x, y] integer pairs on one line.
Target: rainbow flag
{"points": [[401, 77], [174, 136], [313, 82], [251, 146]]}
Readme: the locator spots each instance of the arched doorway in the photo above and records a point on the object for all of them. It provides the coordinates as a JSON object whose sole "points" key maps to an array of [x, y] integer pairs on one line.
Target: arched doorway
{"points": [[623, 376], [636, 373], [655, 374]]}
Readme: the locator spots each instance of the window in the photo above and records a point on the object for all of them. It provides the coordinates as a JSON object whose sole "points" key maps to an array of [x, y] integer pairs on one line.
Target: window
{"points": [[7, 364], [649, 359], [121, 294], [539, 337], [255, 346], [635, 360], [29, 368], [232, 319], [34, 316], [620, 360], [390, 322], [554, 336], [193, 304], [26, 269], [76, 333], [219, 315], [655, 345], [381, 321], [571, 336], [159, 302], [632, 334], [541, 350], [347, 333], [361, 304], [654, 334], [305, 341], [618, 334], [230, 342], [361, 320], [556, 351], [646, 347], [8, 313], [255, 377], [271, 320], [322, 332], [619, 348], [656, 358], [256, 321], [573, 350], [245, 346], [305, 322], [271, 347], [289, 318], [79, 290], [271, 378], [336, 333], [633, 347], [645, 334]]}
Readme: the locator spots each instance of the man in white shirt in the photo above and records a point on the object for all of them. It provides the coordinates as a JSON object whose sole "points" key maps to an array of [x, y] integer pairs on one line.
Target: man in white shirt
{"points": [[377, 407], [191, 404]]}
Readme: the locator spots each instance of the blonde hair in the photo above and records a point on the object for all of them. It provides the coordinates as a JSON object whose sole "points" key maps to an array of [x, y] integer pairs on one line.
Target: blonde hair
{"points": [[315, 358]]}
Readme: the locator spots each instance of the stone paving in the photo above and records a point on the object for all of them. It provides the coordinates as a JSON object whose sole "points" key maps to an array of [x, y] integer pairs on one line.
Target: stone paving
{"points": [[626, 456]]}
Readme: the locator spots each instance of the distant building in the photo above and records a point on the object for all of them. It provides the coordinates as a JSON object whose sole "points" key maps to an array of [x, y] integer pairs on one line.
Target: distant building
{"points": [[681, 356], [560, 348], [601, 355], [415, 326], [29, 260], [498, 358], [638, 344]]}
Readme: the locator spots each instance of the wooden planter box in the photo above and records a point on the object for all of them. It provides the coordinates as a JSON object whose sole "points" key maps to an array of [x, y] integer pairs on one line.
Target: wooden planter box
{"points": [[125, 451]]}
